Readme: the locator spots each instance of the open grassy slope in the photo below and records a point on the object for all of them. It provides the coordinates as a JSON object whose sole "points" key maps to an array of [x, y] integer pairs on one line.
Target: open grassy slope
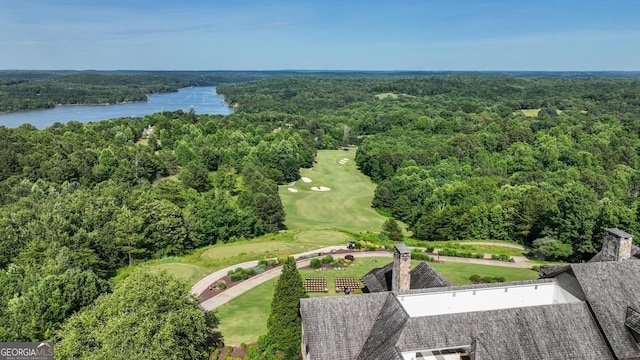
{"points": [[347, 206]]}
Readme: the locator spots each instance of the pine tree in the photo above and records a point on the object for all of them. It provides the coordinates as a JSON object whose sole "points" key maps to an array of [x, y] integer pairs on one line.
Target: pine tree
{"points": [[284, 324], [392, 230]]}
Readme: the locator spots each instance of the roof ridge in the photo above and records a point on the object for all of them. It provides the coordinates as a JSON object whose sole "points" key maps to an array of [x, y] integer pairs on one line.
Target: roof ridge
{"points": [[390, 333]]}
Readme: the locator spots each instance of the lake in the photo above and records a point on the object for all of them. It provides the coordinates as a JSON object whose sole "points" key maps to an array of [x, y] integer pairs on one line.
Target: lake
{"points": [[204, 100]]}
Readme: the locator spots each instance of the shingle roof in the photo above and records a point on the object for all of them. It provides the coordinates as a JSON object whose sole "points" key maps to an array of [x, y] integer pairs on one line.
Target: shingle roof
{"points": [[338, 326], [610, 288], [635, 255], [385, 332], [519, 333], [379, 279], [423, 276], [632, 321]]}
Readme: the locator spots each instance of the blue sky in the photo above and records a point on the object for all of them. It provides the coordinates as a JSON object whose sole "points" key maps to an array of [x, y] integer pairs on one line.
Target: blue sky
{"points": [[470, 35]]}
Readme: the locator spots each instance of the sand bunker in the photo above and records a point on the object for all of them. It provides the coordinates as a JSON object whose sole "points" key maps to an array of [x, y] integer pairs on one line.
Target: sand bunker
{"points": [[320, 188], [292, 190], [305, 179]]}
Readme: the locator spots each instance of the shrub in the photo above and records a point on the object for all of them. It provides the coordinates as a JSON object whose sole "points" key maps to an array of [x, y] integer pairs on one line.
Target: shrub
{"points": [[262, 262], [327, 259], [430, 249], [499, 279], [488, 279], [221, 285], [235, 277], [239, 270], [421, 256], [230, 272], [258, 269], [244, 275], [501, 257], [551, 249], [316, 263], [243, 346], [272, 262], [475, 278], [250, 271], [216, 354]]}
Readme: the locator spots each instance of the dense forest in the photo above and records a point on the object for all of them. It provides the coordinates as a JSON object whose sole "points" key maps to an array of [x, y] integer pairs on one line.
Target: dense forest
{"points": [[480, 157], [543, 161]]}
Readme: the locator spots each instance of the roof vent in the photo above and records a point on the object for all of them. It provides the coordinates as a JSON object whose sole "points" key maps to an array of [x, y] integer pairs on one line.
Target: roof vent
{"points": [[632, 322]]}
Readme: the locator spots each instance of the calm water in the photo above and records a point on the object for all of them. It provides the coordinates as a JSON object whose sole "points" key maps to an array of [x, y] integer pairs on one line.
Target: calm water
{"points": [[203, 100]]}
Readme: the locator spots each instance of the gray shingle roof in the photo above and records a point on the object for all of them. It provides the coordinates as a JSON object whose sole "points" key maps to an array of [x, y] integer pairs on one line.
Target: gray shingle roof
{"points": [[635, 255], [610, 288], [338, 326], [385, 332], [632, 321], [379, 279], [559, 331], [423, 276]]}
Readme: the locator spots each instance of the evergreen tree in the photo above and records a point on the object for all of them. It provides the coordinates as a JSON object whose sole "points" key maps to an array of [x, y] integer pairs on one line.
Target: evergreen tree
{"points": [[392, 230], [284, 324]]}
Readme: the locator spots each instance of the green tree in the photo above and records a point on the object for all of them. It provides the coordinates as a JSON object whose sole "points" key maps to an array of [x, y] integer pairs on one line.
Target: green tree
{"points": [[195, 175], [40, 310], [284, 324], [129, 235], [552, 249], [148, 316], [392, 230]]}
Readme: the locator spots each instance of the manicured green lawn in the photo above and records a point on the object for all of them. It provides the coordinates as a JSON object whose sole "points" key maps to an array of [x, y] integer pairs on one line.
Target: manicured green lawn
{"points": [[459, 273], [203, 261], [347, 206], [188, 272], [244, 318]]}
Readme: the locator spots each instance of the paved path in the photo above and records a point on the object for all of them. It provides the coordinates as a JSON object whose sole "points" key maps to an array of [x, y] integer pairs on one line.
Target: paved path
{"points": [[237, 290]]}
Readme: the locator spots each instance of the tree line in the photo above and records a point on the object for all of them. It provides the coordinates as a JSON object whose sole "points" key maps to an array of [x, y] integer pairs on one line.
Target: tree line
{"points": [[480, 156], [454, 157]]}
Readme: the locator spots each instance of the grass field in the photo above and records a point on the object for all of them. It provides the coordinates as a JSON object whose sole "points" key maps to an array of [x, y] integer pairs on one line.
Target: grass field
{"points": [[204, 261], [244, 319], [347, 206], [188, 272]]}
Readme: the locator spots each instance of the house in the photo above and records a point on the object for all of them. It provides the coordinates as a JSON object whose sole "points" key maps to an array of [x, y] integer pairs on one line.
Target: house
{"points": [[579, 311]]}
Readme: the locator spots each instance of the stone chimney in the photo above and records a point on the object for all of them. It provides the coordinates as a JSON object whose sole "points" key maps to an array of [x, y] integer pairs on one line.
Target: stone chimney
{"points": [[617, 245], [401, 279]]}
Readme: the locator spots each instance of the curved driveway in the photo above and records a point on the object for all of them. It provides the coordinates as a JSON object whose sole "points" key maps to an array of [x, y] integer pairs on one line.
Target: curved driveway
{"points": [[250, 283]]}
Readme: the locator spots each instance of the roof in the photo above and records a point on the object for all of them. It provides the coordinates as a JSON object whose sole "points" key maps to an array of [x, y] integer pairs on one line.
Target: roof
{"points": [[610, 288], [338, 326], [519, 333], [379, 279], [632, 321], [423, 276], [635, 255], [384, 334]]}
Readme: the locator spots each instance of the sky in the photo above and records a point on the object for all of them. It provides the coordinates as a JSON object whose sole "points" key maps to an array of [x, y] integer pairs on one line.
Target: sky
{"points": [[432, 35]]}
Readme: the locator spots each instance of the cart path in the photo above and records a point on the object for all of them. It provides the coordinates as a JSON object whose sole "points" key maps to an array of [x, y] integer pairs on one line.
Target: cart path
{"points": [[250, 283]]}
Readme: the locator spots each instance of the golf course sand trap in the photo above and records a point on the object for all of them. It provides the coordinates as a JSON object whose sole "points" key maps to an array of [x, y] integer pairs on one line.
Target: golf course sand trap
{"points": [[305, 179], [321, 188], [292, 190]]}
